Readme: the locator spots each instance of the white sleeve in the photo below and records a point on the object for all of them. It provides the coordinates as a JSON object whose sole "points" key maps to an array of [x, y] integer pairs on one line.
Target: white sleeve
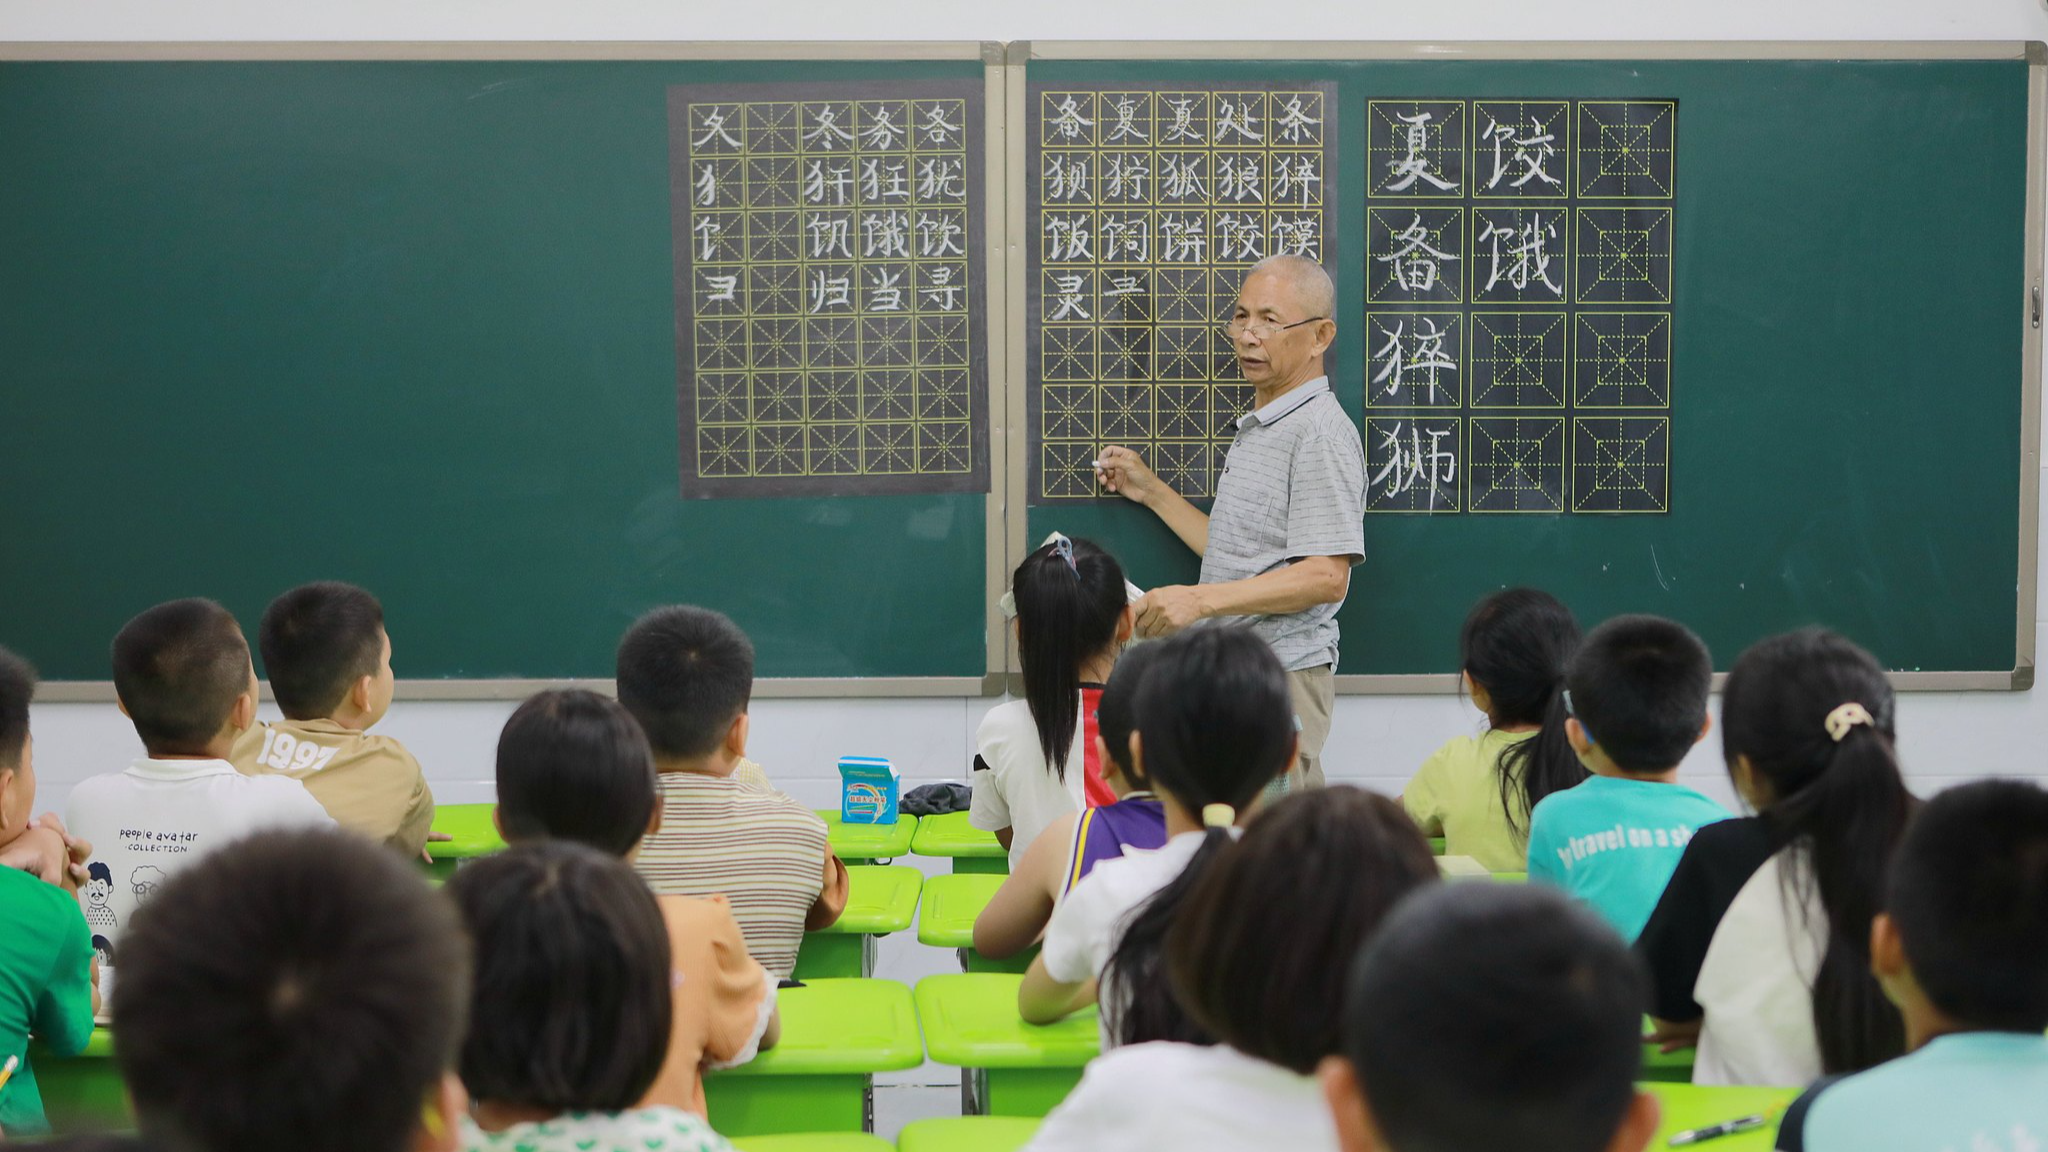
{"points": [[1077, 936], [989, 809], [1104, 1113]]}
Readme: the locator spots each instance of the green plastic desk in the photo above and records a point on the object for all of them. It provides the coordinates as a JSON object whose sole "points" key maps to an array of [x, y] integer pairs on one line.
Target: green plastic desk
{"points": [[881, 898], [1017, 1069], [1511, 877], [836, 1034], [1666, 1067], [970, 848], [815, 1142], [967, 1134], [83, 1093], [1698, 1105], [474, 833], [946, 914], [851, 842]]}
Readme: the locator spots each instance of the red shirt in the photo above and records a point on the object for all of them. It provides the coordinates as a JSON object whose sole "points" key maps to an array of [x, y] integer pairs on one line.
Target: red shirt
{"points": [[1094, 789]]}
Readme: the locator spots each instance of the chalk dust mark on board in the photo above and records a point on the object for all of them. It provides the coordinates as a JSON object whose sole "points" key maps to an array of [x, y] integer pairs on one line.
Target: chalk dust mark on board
{"points": [[1661, 582], [497, 86]]}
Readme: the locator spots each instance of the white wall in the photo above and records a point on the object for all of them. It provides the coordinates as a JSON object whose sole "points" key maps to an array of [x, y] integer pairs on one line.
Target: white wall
{"points": [[1375, 740]]}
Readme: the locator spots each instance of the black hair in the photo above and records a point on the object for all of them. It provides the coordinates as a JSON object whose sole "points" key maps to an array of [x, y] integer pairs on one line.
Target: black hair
{"points": [[1116, 712], [17, 688], [317, 641], [179, 668], [685, 673], [1842, 804], [295, 990], [1639, 687], [98, 870], [572, 998], [1260, 973], [1515, 644], [1215, 726], [573, 765], [1069, 596], [1969, 896], [1462, 1044]]}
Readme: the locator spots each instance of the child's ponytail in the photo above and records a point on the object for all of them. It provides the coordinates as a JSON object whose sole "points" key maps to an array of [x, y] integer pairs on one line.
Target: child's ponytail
{"points": [[1069, 596], [1215, 726], [1516, 644], [1812, 714]]}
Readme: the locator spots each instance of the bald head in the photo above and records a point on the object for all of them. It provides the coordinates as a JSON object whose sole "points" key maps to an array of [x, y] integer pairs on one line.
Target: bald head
{"points": [[1306, 283]]}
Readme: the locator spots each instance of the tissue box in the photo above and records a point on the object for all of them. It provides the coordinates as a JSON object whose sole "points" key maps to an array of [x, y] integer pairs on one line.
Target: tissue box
{"points": [[867, 790]]}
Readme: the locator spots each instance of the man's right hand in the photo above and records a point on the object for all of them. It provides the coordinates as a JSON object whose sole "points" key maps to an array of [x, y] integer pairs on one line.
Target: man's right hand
{"points": [[1122, 471]]}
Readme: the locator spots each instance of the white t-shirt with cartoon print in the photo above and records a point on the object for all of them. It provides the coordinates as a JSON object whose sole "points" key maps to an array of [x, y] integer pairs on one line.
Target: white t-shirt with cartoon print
{"points": [[158, 816]]}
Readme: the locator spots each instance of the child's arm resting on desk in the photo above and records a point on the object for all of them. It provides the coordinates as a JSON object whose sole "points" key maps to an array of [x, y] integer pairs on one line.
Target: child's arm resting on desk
{"points": [[1018, 912], [831, 899], [1042, 999], [64, 1009]]}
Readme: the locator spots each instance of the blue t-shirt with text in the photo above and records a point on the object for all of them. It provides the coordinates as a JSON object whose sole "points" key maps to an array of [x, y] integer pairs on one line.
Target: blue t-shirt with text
{"points": [[1613, 842]]}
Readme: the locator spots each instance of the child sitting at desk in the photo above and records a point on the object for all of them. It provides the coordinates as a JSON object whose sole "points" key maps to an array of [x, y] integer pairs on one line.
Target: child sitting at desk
{"points": [[48, 983], [329, 661], [1071, 846], [569, 1023], [1477, 792], [687, 674], [573, 765], [1962, 949], [1035, 759]]}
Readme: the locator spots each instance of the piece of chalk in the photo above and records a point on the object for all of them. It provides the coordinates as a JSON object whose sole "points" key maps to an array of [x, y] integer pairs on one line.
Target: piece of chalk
{"points": [[1099, 463]]}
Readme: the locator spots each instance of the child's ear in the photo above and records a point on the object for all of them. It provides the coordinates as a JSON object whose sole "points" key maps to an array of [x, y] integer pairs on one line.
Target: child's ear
{"points": [[1126, 623], [1341, 1091], [1887, 949], [736, 736], [498, 822], [359, 693], [1706, 726], [1638, 1125], [1103, 758], [440, 1116], [1136, 764], [1575, 735], [654, 818], [244, 715]]}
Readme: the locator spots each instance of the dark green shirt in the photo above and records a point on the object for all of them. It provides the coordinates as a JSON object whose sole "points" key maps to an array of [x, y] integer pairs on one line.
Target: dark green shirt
{"points": [[45, 988]]}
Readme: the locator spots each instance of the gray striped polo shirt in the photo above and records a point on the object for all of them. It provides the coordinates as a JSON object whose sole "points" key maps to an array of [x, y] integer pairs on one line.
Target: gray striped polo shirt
{"points": [[1292, 486]]}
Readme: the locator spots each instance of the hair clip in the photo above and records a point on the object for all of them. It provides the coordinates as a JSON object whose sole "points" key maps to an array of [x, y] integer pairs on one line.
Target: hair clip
{"points": [[1064, 549], [1846, 717], [1218, 815]]}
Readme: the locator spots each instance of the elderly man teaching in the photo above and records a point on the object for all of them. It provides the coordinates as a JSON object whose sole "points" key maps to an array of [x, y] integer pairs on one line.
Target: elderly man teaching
{"points": [[1288, 521]]}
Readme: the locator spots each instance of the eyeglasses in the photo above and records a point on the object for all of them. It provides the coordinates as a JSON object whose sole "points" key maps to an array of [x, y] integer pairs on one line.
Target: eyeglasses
{"points": [[1263, 330]]}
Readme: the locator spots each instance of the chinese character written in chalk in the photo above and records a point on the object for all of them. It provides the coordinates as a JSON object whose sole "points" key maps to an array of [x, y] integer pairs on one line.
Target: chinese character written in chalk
{"points": [[939, 236], [1412, 359], [1521, 156], [1521, 255], [885, 234], [1411, 461], [939, 290], [882, 131], [831, 236], [884, 180], [1235, 118], [884, 292], [938, 131], [1295, 125], [1183, 129], [1069, 290], [829, 292], [712, 124], [1126, 126], [823, 183], [1415, 165], [1068, 122], [825, 134], [941, 178], [1418, 264]]}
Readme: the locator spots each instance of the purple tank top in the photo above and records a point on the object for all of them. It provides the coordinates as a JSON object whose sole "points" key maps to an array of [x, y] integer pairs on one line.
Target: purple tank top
{"points": [[1105, 833]]}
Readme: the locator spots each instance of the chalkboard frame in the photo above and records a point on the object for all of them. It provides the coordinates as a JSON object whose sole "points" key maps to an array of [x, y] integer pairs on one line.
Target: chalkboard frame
{"points": [[1004, 71], [993, 57], [2019, 677]]}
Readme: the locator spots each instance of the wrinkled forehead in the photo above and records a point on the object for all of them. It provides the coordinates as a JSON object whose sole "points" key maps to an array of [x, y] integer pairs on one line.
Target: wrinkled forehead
{"points": [[1269, 291]]}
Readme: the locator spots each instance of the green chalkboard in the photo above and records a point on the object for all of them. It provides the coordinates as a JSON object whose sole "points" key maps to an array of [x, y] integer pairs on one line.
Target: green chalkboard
{"points": [[411, 324], [1847, 361]]}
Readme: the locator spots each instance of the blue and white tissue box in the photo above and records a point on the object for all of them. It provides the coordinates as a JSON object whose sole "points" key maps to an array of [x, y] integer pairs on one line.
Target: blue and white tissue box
{"points": [[867, 790]]}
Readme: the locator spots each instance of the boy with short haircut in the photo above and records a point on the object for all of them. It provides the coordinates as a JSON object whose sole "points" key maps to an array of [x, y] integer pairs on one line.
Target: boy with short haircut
{"points": [[47, 983], [1453, 1043], [183, 676], [296, 990], [1962, 949], [1637, 693], [687, 674], [329, 661]]}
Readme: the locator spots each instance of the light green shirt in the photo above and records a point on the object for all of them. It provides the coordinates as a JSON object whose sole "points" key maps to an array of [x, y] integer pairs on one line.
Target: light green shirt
{"points": [[45, 988], [1456, 795], [1971, 1092], [635, 1130]]}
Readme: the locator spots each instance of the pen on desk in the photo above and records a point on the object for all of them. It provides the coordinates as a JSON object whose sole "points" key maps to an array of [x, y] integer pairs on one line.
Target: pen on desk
{"points": [[1715, 1131], [7, 1069]]}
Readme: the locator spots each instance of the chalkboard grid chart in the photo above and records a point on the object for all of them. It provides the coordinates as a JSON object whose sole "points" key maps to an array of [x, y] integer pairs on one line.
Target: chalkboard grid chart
{"points": [[1519, 305], [830, 266], [1147, 205]]}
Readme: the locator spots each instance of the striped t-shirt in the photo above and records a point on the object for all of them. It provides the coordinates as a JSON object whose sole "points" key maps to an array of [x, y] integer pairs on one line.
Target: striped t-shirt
{"points": [[1293, 486], [762, 851]]}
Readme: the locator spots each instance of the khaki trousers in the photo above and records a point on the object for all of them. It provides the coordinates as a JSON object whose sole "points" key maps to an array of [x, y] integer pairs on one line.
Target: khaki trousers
{"points": [[1314, 691]]}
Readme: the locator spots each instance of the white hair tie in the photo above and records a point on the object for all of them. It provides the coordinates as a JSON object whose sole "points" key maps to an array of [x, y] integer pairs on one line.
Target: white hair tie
{"points": [[1846, 717], [1218, 815]]}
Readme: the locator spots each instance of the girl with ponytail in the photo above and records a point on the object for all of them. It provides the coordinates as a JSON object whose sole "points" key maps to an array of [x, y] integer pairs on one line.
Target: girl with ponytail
{"points": [[1215, 726], [1035, 758], [1477, 793], [1761, 944]]}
